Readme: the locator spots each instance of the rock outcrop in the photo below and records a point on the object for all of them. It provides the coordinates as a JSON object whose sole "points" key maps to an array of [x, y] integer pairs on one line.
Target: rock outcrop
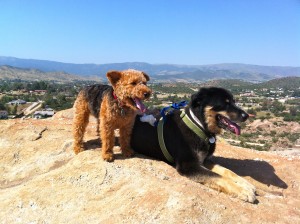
{"points": [[42, 181]]}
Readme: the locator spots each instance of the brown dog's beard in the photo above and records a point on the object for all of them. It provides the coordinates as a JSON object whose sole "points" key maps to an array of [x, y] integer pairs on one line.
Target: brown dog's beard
{"points": [[132, 98], [210, 119], [130, 88]]}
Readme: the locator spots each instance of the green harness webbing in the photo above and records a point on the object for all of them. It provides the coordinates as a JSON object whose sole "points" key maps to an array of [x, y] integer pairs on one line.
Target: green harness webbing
{"points": [[160, 132], [198, 131]]}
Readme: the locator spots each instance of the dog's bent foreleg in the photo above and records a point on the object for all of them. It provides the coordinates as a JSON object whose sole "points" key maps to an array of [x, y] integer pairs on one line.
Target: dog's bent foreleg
{"points": [[125, 137], [224, 172], [225, 184], [235, 185]]}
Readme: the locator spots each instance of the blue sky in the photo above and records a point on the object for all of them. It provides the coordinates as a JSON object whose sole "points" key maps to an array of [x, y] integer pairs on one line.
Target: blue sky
{"points": [[194, 32]]}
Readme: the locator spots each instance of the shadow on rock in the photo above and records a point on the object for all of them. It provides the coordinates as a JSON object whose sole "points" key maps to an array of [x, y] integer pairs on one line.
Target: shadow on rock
{"points": [[94, 144], [258, 170]]}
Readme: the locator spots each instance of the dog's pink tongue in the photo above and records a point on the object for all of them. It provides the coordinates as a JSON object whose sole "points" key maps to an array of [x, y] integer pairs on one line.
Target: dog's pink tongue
{"points": [[140, 105], [236, 129]]}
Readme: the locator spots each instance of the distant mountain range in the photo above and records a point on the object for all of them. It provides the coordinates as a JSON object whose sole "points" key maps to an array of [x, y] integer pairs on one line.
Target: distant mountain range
{"points": [[13, 73], [162, 72]]}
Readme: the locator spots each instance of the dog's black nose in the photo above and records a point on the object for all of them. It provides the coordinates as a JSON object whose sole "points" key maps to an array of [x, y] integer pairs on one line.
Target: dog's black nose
{"points": [[147, 95], [245, 116]]}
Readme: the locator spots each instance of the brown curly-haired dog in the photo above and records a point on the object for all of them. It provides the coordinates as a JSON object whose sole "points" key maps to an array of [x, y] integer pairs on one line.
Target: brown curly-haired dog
{"points": [[115, 107]]}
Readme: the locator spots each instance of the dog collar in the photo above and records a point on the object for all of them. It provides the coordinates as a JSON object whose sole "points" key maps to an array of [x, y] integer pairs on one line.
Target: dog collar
{"points": [[211, 139], [195, 118], [197, 130], [119, 103], [114, 95]]}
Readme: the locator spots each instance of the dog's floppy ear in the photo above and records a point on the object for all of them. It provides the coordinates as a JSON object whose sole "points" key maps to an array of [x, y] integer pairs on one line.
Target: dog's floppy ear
{"points": [[146, 76], [198, 97], [113, 77]]}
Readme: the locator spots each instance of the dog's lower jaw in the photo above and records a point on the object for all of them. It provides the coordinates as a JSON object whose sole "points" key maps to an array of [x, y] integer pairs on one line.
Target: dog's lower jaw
{"points": [[215, 129], [210, 119], [212, 125]]}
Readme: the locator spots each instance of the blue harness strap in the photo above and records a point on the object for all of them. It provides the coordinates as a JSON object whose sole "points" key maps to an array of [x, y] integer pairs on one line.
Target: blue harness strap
{"points": [[170, 109], [160, 127], [188, 122]]}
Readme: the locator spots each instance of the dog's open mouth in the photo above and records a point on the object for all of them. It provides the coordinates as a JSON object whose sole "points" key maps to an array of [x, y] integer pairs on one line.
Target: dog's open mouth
{"points": [[139, 104], [225, 123]]}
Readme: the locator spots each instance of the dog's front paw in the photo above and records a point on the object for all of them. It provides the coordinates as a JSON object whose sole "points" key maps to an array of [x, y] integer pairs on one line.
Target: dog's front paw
{"points": [[109, 157], [247, 194], [127, 152], [248, 190], [242, 190], [78, 149]]}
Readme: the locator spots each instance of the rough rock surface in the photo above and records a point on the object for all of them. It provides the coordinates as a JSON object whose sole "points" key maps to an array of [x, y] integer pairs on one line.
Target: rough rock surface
{"points": [[42, 181]]}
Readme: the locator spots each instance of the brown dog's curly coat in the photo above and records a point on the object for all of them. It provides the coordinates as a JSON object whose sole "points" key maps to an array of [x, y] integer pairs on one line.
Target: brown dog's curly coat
{"points": [[115, 107]]}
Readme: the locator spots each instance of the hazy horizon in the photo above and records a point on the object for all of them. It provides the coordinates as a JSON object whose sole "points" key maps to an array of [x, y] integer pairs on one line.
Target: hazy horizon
{"points": [[225, 63], [157, 32]]}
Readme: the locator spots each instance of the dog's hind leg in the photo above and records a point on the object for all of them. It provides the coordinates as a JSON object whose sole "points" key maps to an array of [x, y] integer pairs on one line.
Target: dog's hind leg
{"points": [[98, 127], [80, 122]]}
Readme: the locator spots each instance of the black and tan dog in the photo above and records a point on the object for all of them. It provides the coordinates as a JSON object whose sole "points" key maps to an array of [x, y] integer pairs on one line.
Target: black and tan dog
{"points": [[115, 107], [186, 139]]}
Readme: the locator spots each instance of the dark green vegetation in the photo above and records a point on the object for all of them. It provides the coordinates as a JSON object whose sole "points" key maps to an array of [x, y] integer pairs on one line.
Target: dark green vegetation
{"points": [[239, 86], [56, 96], [275, 103], [276, 98]]}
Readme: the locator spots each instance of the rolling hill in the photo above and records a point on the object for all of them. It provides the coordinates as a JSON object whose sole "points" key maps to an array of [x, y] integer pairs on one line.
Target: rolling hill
{"points": [[291, 83], [13, 73], [286, 83], [162, 72]]}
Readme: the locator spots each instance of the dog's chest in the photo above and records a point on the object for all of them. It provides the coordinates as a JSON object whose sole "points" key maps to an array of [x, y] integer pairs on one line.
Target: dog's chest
{"points": [[202, 150], [201, 155], [198, 147]]}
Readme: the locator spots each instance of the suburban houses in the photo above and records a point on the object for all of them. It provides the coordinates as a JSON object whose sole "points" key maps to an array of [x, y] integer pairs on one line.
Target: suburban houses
{"points": [[48, 112], [17, 102], [3, 114]]}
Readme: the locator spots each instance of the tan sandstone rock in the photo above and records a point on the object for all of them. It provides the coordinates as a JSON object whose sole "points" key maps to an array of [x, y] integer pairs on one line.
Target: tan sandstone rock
{"points": [[42, 181]]}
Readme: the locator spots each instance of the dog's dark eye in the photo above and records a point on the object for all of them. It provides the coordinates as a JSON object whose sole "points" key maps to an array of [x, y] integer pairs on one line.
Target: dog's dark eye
{"points": [[133, 83], [227, 101]]}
